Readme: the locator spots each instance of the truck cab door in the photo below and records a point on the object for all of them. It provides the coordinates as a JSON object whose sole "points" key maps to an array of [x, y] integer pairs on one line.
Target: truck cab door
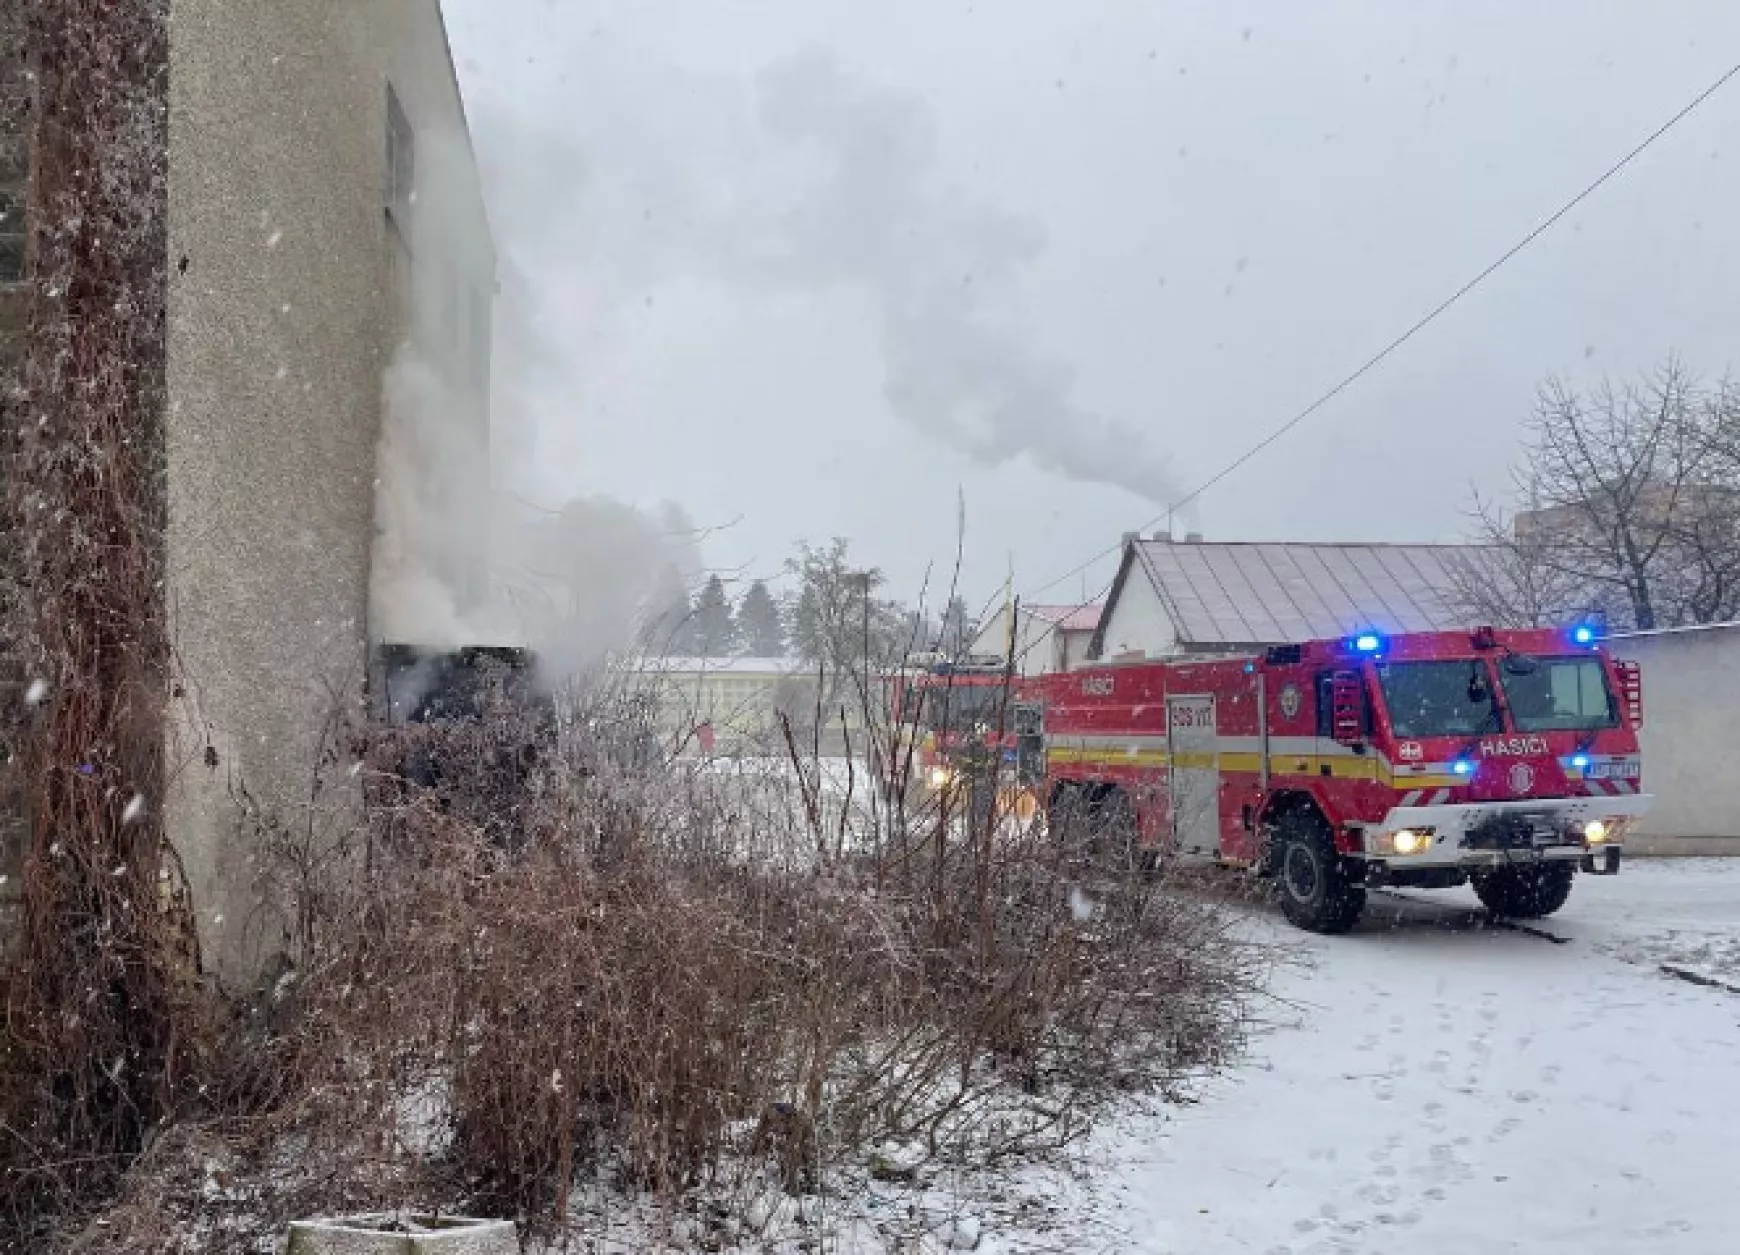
{"points": [[1028, 720]]}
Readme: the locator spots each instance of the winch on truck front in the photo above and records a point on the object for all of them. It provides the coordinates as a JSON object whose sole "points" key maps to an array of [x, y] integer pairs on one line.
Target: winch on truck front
{"points": [[1505, 759]]}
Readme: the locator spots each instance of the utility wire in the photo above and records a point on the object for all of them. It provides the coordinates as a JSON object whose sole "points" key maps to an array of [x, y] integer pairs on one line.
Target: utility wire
{"points": [[1419, 325]]}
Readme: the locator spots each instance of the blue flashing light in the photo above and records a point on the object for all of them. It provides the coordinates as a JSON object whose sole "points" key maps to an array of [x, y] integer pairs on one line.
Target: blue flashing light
{"points": [[1463, 767], [1583, 634], [1368, 642], [1579, 761]]}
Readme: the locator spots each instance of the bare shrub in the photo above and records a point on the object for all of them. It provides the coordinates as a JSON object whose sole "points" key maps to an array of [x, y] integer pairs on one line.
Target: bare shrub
{"points": [[696, 979], [665, 973]]}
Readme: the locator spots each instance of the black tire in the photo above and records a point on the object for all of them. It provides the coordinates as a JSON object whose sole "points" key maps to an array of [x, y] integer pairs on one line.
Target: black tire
{"points": [[1316, 891], [1532, 892], [1115, 836], [1066, 815]]}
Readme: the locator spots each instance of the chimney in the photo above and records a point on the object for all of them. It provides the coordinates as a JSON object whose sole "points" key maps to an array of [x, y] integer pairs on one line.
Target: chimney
{"points": [[1163, 537], [1193, 538], [1131, 538]]}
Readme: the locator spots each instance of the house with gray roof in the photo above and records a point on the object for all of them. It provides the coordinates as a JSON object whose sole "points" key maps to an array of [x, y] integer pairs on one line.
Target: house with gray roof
{"points": [[1198, 597]]}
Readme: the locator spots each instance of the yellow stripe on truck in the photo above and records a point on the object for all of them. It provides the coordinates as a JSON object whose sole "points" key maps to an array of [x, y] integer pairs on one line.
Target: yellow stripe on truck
{"points": [[1339, 767]]}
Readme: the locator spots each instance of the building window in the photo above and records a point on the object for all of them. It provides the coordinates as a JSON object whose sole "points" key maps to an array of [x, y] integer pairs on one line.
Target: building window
{"points": [[11, 232], [401, 161]]}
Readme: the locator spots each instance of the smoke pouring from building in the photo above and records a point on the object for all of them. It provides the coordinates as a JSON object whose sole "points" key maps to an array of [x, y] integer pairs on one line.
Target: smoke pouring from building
{"points": [[459, 558]]}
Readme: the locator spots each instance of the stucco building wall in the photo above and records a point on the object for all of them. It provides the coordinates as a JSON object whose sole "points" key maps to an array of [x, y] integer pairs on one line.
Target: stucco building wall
{"points": [[294, 281]]}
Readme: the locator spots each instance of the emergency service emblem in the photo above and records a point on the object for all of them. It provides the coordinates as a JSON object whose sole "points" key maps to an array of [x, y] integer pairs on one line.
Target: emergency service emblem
{"points": [[1522, 778], [1410, 751], [1290, 701]]}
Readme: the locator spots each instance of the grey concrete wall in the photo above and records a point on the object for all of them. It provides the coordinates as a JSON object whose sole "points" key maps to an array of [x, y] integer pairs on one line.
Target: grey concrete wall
{"points": [[291, 291], [1691, 722]]}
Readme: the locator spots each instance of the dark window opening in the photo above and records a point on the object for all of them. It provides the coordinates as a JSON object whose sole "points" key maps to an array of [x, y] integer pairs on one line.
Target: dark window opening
{"points": [[401, 161], [11, 257], [11, 235]]}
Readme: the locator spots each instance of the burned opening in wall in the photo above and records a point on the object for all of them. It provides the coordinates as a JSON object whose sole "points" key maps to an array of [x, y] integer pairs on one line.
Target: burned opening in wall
{"points": [[414, 684]]}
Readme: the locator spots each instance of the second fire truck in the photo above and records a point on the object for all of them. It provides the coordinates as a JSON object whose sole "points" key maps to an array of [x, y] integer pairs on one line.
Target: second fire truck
{"points": [[1503, 759]]}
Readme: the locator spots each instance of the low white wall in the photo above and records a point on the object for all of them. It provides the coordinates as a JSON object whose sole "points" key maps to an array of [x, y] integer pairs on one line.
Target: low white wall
{"points": [[1691, 724]]}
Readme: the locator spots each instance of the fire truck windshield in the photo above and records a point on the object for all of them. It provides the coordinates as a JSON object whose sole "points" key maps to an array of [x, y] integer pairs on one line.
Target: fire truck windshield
{"points": [[1557, 694], [1450, 698], [957, 707]]}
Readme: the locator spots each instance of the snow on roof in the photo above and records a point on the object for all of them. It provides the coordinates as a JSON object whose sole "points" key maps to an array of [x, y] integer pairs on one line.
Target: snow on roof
{"points": [[1070, 618], [1262, 594]]}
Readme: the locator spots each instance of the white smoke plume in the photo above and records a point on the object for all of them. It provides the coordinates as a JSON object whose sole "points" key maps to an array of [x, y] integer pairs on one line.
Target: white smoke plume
{"points": [[958, 364], [805, 180], [459, 559]]}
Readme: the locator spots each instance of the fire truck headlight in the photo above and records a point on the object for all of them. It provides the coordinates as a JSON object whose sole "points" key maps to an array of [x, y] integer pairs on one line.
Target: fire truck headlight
{"points": [[1597, 831], [941, 777], [1410, 841]]}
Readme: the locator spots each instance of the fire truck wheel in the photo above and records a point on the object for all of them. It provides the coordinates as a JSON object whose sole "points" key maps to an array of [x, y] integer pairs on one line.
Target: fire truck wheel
{"points": [[1525, 892], [1316, 893], [1114, 833]]}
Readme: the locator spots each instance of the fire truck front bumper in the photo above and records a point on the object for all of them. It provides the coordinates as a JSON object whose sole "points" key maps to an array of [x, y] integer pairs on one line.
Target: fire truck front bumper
{"points": [[1473, 836]]}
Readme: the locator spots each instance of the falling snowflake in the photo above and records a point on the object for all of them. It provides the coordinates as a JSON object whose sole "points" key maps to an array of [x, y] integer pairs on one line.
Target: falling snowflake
{"points": [[1080, 905], [37, 693], [274, 239], [135, 810]]}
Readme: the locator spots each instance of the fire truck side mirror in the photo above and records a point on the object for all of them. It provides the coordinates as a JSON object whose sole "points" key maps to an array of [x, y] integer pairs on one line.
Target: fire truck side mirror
{"points": [[1347, 708], [1630, 689]]}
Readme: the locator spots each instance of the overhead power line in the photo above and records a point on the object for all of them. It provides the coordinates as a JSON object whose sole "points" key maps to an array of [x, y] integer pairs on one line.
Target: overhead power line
{"points": [[1437, 311]]}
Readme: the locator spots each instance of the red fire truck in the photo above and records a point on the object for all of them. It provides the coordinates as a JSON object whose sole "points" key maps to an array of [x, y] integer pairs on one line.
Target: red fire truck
{"points": [[1505, 759], [939, 708]]}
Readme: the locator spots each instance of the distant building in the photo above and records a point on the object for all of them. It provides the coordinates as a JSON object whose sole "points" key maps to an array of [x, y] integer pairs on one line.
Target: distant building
{"points": [[321, 210], [734, 702], [1048, 638], [1196, 597]]}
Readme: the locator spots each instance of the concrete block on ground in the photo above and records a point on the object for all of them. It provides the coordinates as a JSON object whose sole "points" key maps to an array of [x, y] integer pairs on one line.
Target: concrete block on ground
{"points": [[403, 1235]]}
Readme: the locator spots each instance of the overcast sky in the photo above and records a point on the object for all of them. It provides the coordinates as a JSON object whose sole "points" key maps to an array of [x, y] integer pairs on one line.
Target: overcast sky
{"points": [[809, 267]]}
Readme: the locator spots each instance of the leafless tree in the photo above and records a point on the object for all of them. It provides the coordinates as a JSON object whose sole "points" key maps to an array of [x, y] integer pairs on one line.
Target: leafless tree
{"points": [[1628, 507], [1511, 581]]}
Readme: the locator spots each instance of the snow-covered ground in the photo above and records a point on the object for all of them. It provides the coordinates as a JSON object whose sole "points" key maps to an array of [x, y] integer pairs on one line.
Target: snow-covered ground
{"points": [[1435, 1085]]}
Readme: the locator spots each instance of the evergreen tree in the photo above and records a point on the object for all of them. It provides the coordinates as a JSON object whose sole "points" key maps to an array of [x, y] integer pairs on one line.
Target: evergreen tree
{"points": [[760, 631], [715, 635], [957, 629]]}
